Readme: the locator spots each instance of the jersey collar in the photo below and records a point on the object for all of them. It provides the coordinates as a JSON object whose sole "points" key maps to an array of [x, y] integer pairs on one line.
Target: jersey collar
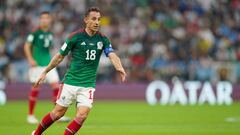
{"points": [[88, 34]]}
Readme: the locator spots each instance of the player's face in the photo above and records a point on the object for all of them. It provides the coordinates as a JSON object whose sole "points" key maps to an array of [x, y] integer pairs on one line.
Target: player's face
{"points": [[45, 20], [93, 21]]}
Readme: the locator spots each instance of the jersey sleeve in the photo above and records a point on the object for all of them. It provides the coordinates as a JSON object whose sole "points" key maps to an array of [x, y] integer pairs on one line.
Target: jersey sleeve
{"points": [[30, 38], [66, 47], [107, 47]]}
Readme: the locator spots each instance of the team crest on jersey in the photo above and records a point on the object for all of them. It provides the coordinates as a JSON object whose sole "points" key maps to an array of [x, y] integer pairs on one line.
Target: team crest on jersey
{"points": [[99, 45]]}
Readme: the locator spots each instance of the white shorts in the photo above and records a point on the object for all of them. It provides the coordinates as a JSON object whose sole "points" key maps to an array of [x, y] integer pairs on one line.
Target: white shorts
{"points": [[35, 72], [69, 93]]}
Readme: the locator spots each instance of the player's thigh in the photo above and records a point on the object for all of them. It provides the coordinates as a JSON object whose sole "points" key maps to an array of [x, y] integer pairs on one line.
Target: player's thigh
{"points": [[52, 76], [85, 97], [66, 95], [34, 73]]}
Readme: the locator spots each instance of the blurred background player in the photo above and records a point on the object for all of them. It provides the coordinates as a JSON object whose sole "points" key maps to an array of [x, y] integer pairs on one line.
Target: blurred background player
{"points": [[86, 46], [37, 51]]}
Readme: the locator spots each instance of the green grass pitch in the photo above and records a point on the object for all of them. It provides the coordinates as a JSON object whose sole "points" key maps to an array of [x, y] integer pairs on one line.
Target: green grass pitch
{"points": [[130, 118]]}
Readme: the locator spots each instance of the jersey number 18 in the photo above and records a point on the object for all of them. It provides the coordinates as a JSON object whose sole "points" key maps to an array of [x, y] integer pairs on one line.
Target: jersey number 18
{"points": [[91, 54]]}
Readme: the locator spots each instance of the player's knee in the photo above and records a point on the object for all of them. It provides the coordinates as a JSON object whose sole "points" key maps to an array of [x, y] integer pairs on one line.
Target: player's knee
{"points": [[58, 113], [81, 117]]}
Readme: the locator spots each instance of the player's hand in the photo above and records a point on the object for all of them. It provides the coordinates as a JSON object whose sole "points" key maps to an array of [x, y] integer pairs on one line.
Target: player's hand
{"points": [[40, 80], [32, 63], [122, 75]]}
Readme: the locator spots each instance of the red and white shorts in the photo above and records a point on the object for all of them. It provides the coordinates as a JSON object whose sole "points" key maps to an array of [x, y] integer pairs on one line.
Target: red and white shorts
{"points": [[69, 93]]}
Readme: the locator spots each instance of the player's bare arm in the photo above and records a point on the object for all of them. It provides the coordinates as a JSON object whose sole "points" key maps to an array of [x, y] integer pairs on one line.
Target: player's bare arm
{"points": [[117, 65], [28, 53], [53, 63]]}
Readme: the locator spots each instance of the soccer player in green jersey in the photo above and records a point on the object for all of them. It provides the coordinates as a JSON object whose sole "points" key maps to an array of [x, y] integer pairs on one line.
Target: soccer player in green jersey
{"points": [[37, 50], [86, 46]]}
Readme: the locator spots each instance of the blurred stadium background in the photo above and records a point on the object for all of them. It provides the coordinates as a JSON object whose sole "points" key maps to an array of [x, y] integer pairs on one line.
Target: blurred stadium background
{"points": [[168, 40]]}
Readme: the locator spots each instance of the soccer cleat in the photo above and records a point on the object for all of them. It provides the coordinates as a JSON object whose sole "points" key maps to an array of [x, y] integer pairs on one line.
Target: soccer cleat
{"points": [[64, 119], [31, 119], [33, 132]]}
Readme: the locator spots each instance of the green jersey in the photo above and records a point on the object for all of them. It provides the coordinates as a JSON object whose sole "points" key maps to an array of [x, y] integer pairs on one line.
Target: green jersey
{"points": [[86, 51], [41, 42]]}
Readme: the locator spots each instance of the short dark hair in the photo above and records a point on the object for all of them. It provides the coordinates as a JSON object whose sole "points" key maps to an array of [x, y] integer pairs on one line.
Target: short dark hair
{"points": [[95, 9], [45, 12]]}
